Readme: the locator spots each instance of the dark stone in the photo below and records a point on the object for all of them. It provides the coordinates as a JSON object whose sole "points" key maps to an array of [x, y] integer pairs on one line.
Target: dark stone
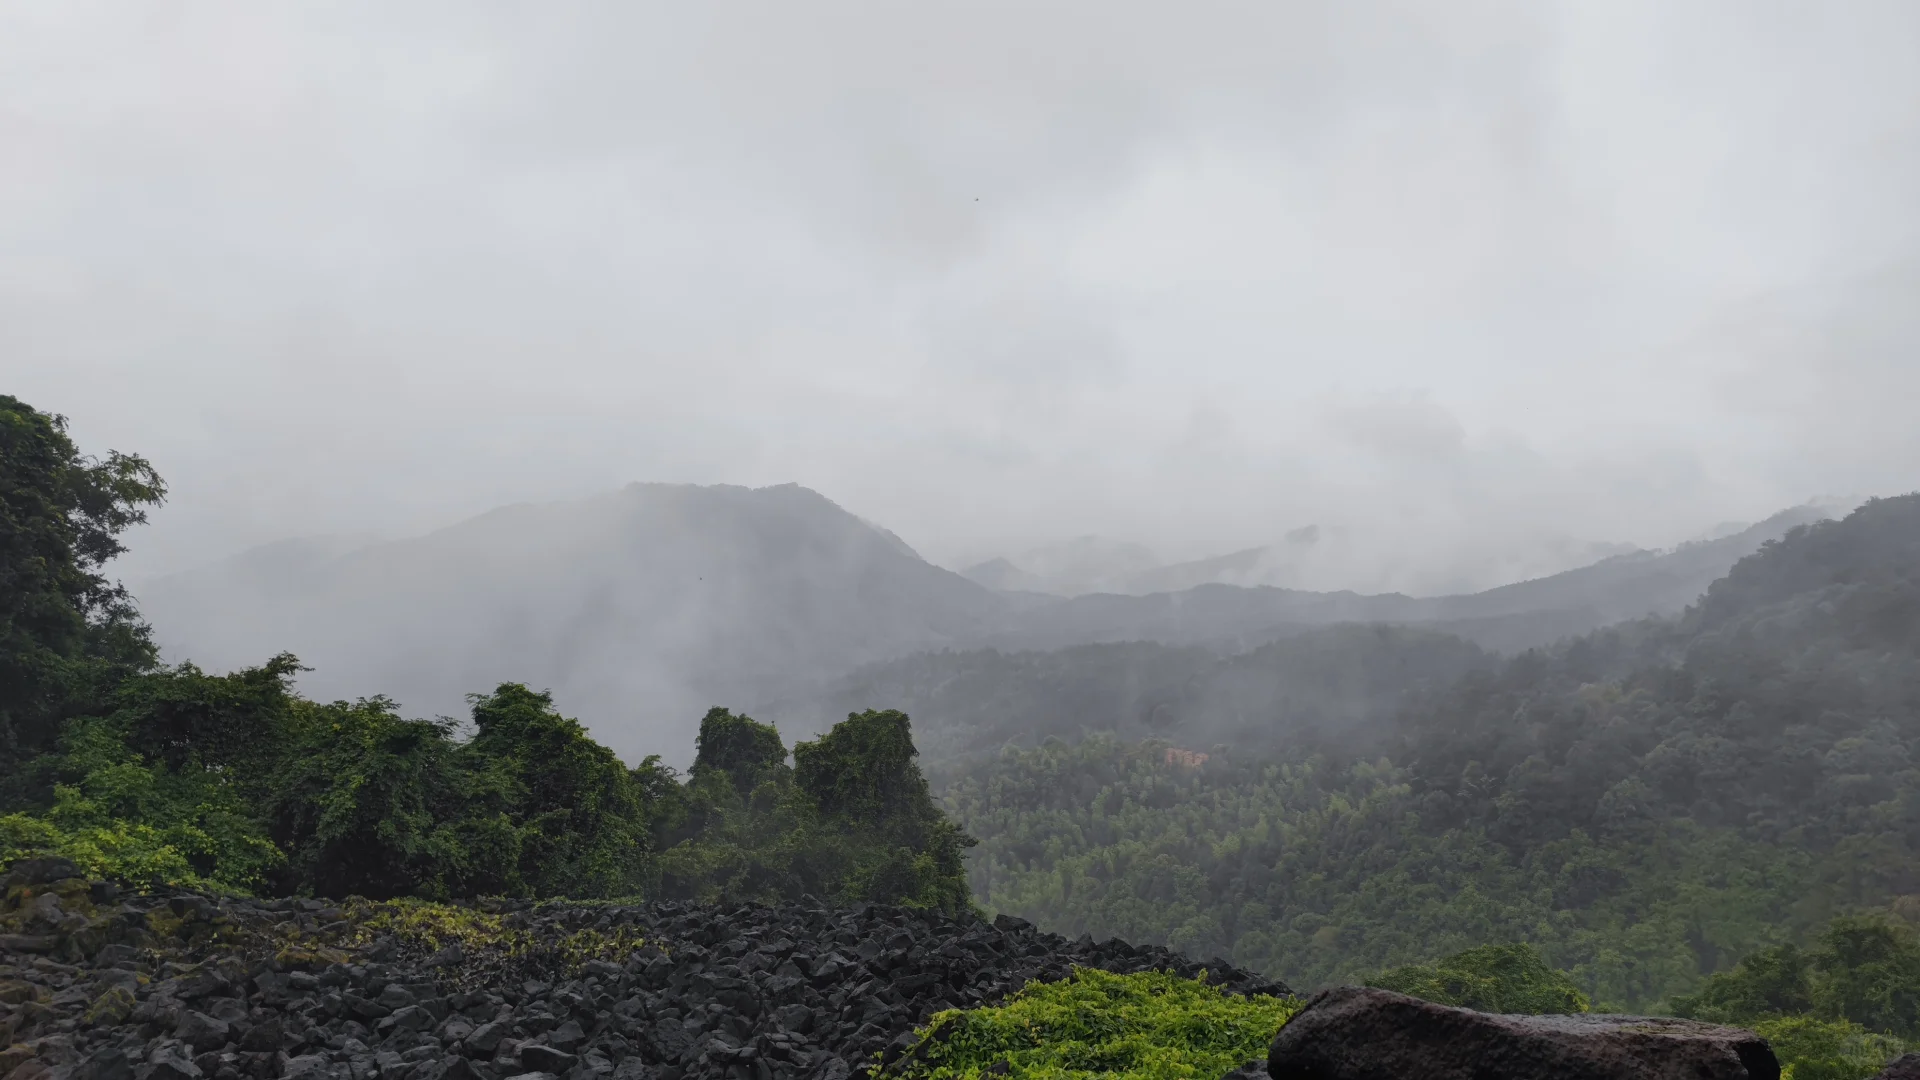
{"points": [[41, 871], [1904, 1067], [263, 1037], [168, 1063], [107, 1063], [486, 1038], [200, 1031], [547, 1059], [1359, 1033]]}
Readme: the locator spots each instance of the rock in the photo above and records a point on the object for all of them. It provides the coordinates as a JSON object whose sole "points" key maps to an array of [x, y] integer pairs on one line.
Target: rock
{"points": [[547, 1059], [486, 1039], [167, 1062], [262, 1038], [312, 1066], [408, 1018], [43, 871], [567, 1037], [200, 1031], [107, 1063], [1359, 1033], [1904, 1067], [113, 1006]]}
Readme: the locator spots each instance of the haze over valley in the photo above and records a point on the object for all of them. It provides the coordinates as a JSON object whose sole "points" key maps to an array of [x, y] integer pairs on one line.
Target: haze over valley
{"points": [[640, 607], [743, 541]]}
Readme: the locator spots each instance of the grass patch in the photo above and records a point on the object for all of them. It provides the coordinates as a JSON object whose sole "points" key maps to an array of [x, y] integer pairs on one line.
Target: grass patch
{"points": [[1150, 1026]]}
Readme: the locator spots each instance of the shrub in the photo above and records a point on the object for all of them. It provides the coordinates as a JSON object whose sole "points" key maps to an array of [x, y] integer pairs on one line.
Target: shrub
{"points": [[1491, 978], [1149, 1026]]}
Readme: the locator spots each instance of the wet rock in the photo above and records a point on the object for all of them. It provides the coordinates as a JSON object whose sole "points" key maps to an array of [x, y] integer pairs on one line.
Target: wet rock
{"points": [[1904, 1067], [742, 993], [168, 1062], [537, 1058], [43, 871], [1357, 1033]]}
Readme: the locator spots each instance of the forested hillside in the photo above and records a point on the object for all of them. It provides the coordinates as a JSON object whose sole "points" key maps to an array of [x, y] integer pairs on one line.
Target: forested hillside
{"points": [[1648, 804], [1321, 683], [171, 774]]}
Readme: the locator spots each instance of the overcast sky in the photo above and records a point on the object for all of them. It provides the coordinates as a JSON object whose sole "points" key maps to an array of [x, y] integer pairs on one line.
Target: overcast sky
{"points": [[988, 273]]}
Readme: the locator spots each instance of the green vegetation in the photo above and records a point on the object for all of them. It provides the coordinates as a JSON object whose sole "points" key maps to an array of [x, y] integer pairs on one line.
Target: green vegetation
{"points": [[1151, 1026], [1491, 978], [1813, 1049], [1645, 805], [234, 781], [65, 630], [851, 820], [1862, 969]]}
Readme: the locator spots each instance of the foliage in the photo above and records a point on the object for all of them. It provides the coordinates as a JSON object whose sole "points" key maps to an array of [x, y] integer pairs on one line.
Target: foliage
{"points": [[852, 820], [1812, 1049], [739, 748], [1151, 1026], [572, 814], [1864, 969], [1647, 804], [65, 630], [1491, 978]]}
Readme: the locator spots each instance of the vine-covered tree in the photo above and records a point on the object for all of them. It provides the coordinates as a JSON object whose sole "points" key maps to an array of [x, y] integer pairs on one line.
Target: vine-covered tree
{"points": [[66, 631]]}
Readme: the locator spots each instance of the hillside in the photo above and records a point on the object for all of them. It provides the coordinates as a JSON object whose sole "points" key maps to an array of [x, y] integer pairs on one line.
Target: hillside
{"points": [[639, 608], [1510, 618], [1648, 803], [1320, 682], [644, 606]]}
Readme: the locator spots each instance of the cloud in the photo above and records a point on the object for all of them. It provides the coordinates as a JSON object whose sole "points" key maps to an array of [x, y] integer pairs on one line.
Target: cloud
{"points": [[991, 274]]}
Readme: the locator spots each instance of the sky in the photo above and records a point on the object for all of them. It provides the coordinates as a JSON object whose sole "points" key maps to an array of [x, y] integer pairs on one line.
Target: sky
{"points": [[990, 274]]}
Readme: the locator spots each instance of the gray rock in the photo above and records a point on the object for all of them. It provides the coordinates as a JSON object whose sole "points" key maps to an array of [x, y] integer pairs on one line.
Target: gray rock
{"points": [[107, 1063], [1360, 1033], [200, 1031], [41, 871], [311, 1066], [486, 1038], [547, 1059], [168, 1062], [1904, 1067], [567, 1037]]}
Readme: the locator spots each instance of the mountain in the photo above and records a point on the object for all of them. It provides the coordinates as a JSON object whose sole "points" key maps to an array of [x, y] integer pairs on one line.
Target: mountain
{"points": [[643, 607], [1323, 682], [1646, 804], [639, 609], [1084, 564], [1510, 618], [1251, 667]]}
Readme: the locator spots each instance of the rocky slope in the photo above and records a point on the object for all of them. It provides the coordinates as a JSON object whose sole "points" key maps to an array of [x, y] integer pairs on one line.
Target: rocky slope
{"points": [[101, 985]]}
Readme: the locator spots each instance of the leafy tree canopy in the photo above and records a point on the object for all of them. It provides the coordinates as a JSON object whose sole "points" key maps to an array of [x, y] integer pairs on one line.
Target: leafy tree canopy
{"points": [[65, 629]]}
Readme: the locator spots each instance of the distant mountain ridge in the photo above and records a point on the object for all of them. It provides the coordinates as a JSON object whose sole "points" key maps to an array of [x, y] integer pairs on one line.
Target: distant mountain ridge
{"points": [[638, 608], [642, 607]]}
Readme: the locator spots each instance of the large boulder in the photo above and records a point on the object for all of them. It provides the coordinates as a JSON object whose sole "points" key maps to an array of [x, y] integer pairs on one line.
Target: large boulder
{"points": [[1360, 1033], [1904, 1067]]}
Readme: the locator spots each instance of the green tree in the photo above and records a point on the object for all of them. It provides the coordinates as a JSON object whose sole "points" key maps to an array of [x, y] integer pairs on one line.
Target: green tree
{"points": [[1491, 978], [66, 631], [577, 818], [740, 748], [368, 803], [866, 787]]}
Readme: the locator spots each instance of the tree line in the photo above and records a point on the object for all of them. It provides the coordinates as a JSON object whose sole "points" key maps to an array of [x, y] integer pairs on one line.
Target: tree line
{"points": [[152, 772]]}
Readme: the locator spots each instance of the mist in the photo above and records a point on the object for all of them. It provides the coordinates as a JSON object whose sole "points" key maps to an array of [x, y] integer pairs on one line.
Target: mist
{"points": [[992, 275]]}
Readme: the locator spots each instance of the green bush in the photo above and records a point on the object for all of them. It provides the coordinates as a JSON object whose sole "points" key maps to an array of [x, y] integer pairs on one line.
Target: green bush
{"points": [[1813, 1049], [1150, 1026], [1491, 978], [1864, 969]]}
